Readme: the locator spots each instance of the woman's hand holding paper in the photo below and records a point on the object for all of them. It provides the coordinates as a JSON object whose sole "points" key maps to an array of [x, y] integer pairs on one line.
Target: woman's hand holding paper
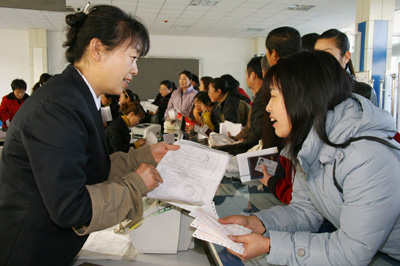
{"points": [[254, 245], [250, 222]]}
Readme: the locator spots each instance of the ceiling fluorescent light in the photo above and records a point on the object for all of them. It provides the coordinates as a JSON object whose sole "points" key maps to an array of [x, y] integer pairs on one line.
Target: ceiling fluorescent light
{"points": [[254, 29], [300, 7], [181, 27], [203, 2]]}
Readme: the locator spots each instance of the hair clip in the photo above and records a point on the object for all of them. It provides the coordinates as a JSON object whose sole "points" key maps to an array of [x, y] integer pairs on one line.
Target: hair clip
{"points": [[126, 93], [85, 10]]}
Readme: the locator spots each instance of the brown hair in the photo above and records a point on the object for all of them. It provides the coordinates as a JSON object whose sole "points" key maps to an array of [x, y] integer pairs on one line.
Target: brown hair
{"points": [[136, 108]]}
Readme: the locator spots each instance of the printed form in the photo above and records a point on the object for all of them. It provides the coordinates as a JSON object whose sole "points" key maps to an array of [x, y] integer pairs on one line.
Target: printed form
{"points": [[191, 175], [209, 229]]}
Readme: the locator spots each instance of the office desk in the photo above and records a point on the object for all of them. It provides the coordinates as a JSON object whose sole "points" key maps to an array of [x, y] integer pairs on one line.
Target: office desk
{"points": [[194, 257], [234, 198]]}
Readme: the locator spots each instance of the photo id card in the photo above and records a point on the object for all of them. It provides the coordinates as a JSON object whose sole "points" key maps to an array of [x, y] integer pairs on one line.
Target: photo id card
{"points": [[270, 164]]}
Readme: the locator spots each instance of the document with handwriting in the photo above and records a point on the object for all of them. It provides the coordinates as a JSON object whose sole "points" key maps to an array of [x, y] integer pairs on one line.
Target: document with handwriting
{"points": [[191, 174]]}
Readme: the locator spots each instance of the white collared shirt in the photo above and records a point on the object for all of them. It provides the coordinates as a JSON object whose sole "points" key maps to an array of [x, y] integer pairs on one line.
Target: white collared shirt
{"points": [[95, 98]]}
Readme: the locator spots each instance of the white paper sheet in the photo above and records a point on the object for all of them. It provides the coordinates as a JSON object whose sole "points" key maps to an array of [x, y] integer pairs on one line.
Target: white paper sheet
{"points": [[106, 114], [169, 138], [150, 107], [233, 128], [191, 174], [151, 139], [172, 114], [210, 230], [107, 245]]}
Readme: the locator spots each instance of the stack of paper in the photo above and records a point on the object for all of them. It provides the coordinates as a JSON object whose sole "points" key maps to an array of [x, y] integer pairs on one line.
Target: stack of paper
{"points": [[107, 245], [210, 230]]}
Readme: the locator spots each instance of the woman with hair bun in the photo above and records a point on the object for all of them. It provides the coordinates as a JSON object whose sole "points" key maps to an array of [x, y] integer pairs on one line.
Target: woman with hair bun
{"points": [[58, 183]]}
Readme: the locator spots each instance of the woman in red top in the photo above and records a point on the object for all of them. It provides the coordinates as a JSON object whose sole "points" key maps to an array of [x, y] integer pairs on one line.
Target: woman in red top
{"points": [[13, 101]]}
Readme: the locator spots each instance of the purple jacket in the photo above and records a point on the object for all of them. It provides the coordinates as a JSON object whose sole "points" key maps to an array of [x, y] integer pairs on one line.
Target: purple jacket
{"points": [[181, 102]]}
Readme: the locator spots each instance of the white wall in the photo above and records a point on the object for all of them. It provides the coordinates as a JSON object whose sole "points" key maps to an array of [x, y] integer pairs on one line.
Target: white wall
{"points": [[217, 56], [14, 59], [55, 52]]}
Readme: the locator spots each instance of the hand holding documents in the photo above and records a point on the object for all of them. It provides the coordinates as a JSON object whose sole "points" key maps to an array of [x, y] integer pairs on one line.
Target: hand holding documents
{"points": [[191, 174], [219, 140], [150, 107], [250, 163], [210, 230], [230, 127]]}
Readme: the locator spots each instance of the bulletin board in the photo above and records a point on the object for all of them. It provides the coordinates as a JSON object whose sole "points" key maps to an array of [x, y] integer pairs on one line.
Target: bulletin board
{"points": [[154, 70]]}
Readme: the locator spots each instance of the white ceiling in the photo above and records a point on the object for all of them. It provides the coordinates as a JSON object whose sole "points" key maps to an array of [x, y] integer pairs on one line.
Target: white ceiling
{"points": [[229, 18]]}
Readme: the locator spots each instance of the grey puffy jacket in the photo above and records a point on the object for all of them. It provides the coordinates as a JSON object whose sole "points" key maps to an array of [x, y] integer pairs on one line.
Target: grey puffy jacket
{"points": [[366, 215]]}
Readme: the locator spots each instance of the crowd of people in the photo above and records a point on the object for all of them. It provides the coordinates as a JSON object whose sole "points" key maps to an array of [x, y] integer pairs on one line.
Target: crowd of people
{"points": [[66, 172]]}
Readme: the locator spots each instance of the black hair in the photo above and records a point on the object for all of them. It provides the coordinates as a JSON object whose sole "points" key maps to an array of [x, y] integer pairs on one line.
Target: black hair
{"points": [[203, 97], [232, 82], [264, 64], [18, 84], [42, 80], [110, 25], [254, 65], [222, 84], [284, 40], [312, 83], [206, 82], [341, 42], [114, 98], [195, 78], [132, 96], [187, 73], [308, 41], [169, 84]]}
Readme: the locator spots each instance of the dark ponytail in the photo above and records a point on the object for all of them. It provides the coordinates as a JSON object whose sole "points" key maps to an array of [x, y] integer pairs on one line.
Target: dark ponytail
{"points": [[341, 42], [222, 84], [110, 25], [169, 84]]}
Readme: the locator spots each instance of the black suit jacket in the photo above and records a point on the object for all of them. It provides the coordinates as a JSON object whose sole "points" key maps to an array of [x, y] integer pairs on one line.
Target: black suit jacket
{"points": [[54, 147], [118, 136]]}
